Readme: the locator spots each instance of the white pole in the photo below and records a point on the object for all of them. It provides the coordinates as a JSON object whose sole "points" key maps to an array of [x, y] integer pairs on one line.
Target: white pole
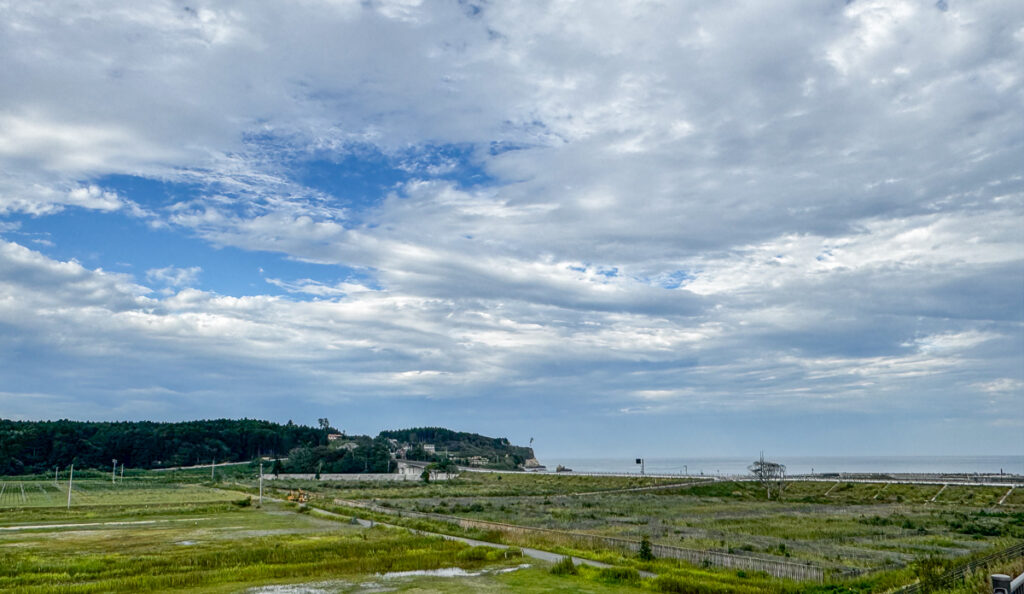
{"points": [[122, 472], [113, 472], [213, 463], [71, 477], [261, 483], [55, 477]]}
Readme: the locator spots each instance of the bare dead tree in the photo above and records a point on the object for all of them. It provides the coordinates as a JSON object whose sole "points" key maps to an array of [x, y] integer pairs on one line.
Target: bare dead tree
{"points": [[771, 475]]}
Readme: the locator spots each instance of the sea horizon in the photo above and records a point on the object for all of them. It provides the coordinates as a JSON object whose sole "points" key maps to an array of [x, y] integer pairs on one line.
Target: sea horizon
{"points": [[733, 465]]}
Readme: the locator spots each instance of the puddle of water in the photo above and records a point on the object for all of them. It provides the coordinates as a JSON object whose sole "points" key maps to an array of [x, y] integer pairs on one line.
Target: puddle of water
{"points": [[336, 587], [511, 569], [186, 543], [373, 588], [311, 588], [447, 572]]}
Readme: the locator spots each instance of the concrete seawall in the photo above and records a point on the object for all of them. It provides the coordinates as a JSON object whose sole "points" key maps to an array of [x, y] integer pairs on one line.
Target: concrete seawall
{"points": [[442, 476]]}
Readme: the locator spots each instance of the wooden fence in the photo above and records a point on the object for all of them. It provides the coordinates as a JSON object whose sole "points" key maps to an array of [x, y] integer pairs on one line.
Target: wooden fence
{"points": [[783, 569]]}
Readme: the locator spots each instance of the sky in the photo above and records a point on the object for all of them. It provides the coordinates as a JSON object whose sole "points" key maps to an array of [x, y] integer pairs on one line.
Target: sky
{"points": [[618, 228]]}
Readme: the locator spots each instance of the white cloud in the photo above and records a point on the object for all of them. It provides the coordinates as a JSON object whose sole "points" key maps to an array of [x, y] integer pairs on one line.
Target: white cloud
{"points": [[171, 276], [719, 204]]}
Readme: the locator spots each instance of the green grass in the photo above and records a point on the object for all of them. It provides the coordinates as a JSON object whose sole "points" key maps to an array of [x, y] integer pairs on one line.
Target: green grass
{"points": [[855, 525], [230, 545], [100, 493], [171, 535], [475, 484], [1016, 498]]}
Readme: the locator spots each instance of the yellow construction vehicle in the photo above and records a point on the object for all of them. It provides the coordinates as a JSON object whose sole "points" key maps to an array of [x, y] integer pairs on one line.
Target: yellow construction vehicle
{"points": [[298, 496]]}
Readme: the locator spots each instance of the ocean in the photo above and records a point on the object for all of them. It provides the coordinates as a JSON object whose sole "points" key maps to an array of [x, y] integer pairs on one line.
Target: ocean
{"points": [[799, 464]]}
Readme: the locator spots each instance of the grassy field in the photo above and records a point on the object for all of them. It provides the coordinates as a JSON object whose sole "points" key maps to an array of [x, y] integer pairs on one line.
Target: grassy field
{"points": [[94, 492], [844, 527], [848, 528], [151, 533], [155, 535], [481, 484], [214, 547]]}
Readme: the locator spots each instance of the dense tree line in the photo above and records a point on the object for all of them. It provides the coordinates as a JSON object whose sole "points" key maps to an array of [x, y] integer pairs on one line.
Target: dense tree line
{"points": [[28, 447], [459, 444], [39, 446], [362, 455]]}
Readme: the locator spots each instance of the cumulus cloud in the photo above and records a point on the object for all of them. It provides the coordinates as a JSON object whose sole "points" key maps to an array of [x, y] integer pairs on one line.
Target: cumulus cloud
{"points": [[641, 206], [173, 277]]}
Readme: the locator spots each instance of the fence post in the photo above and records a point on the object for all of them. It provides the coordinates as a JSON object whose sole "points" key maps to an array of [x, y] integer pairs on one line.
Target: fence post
{"points": [[1000, 583]]}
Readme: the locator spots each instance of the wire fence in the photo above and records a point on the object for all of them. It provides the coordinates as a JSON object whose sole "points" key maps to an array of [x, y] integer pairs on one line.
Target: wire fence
{"points": [[783, 569]]}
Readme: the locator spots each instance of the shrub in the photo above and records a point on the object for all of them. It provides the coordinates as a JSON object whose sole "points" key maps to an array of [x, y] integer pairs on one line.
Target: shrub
{"points": [[678, 585], [474, 554], [646, 554], [930, 571], [565, 567], [619, 575]]}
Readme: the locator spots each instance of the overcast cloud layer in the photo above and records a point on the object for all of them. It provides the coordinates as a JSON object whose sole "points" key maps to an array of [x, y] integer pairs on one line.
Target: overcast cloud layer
{"points": [[665, 227]]}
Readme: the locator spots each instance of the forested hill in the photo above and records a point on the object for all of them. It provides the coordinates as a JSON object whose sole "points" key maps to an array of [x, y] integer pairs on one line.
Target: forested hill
{"points": [[39, 446], [460, 444]]}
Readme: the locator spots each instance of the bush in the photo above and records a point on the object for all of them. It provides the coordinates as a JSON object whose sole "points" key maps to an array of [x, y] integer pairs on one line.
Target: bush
{"points": [[646, 554], [930, 571], [474, 554], [680, 585], [619, 575], [565, 567]]}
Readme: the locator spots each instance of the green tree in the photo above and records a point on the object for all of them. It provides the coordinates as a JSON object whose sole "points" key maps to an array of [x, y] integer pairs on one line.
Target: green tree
{"points": [[646, 554]]}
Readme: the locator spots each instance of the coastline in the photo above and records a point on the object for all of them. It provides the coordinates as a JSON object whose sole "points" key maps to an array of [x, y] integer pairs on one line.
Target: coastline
{"points": [[801, 465]]}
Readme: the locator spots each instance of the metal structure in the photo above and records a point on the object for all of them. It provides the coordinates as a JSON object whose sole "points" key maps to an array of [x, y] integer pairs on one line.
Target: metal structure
{"points": [[1002, 584], [71, 477], [956, 576]]}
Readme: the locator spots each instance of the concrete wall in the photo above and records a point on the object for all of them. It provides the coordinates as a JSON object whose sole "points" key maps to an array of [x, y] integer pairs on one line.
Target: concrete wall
{"points": [[359, 477]]}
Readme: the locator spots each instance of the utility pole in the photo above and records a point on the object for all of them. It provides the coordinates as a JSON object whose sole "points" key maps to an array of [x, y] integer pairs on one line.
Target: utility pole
{"points": [[113, 472], [71, 477], [261, 483], [213, 463]]}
